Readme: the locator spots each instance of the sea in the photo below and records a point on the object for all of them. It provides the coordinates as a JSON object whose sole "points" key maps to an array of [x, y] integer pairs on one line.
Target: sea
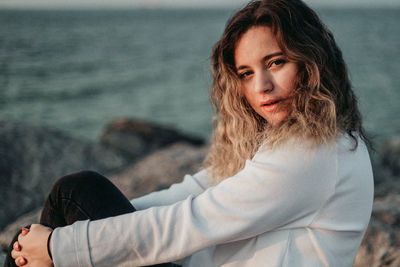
{"points": [[77, 70]]}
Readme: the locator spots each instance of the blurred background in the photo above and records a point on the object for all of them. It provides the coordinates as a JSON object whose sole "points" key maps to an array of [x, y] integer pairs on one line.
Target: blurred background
{"points": [[77, 65]]}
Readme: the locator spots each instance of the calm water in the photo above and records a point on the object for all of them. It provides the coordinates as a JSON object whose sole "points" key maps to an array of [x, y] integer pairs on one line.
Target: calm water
{"points": [[77, 70]]}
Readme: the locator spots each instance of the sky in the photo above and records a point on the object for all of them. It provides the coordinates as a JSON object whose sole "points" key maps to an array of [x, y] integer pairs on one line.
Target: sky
{"points": [[175, 3]]}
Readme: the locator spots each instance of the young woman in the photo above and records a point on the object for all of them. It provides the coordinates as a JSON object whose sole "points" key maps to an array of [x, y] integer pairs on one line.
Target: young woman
{"points": [[287, 182]]}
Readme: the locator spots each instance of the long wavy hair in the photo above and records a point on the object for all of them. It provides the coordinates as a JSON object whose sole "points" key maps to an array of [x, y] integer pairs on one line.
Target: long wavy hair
{"points": [[323, 103]]}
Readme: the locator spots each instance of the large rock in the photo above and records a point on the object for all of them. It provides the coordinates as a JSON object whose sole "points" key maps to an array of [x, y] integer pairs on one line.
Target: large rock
{"points": [[160, 169], [137, 138], [32, 157]]}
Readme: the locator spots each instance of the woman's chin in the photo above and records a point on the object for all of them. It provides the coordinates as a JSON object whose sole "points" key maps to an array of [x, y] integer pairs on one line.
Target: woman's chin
{"points": [[277, 118]]}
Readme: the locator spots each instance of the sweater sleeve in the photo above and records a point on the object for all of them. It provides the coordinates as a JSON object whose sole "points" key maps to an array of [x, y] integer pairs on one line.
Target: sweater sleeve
{"points": [[191, 185], [276, 190]]}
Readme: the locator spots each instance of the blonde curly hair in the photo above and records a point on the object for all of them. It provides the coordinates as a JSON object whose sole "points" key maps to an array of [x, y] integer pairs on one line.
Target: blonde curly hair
{"points": [[323, 104]]}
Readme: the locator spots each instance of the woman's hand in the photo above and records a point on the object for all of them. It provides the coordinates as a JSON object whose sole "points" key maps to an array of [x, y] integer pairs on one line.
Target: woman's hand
{"points": [[31, 248]]}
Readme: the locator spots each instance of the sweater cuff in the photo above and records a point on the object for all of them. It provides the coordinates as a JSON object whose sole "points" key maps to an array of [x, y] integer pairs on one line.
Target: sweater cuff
{"points": [[70, 246]]}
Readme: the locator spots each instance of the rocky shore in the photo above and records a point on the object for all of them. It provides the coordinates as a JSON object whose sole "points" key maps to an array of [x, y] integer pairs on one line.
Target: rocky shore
{"points": [[139, 158]]}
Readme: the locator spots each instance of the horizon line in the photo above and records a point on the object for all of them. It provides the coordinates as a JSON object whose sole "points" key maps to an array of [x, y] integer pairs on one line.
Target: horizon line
{"points": [[169, 7]]}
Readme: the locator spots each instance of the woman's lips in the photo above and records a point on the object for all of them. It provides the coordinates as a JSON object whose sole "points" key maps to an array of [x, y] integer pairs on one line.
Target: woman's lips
{"points": [[270, 105]]}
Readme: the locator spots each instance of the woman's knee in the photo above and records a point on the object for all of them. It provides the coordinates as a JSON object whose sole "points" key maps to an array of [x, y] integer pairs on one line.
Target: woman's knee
{"points": [[79, 180], [85, 195]]}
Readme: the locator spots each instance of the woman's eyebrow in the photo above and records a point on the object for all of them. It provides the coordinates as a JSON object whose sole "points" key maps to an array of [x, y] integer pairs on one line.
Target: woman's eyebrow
{"points": [[267, 57]]}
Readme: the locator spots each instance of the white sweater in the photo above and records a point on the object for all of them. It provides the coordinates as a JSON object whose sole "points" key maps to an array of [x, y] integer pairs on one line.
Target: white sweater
{"points": [[291, 206]]}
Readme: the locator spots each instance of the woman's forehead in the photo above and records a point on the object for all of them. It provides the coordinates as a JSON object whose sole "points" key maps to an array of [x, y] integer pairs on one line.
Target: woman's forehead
{"points": [[257, 42]]}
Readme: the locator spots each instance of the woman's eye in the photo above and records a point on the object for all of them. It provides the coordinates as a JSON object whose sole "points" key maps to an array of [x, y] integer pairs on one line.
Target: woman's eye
{"points": [[244, 75], [278, 62]]}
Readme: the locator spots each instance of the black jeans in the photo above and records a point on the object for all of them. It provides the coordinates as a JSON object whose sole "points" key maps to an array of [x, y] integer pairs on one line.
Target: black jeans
{"points": [[81, 196]]}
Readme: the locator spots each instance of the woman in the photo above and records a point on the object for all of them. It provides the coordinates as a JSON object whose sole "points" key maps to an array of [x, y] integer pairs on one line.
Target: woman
{"points": [[288, 179]]}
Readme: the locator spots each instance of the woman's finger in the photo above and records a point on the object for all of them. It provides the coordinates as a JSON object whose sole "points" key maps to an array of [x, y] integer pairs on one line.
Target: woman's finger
{"points": [[19, 237], [24, 231], [20, 261], [15, 254], [16, 246]]}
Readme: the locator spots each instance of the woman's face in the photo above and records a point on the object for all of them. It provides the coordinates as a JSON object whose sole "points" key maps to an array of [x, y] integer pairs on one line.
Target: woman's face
{"points": [[267, 77]]}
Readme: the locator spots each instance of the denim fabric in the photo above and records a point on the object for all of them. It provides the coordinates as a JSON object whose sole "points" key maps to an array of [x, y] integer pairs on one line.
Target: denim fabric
{"points": [[81, 196]]}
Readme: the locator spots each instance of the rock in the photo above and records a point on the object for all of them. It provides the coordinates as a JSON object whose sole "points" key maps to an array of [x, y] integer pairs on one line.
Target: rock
{"points": [[380, 246], [386, 167], [381, 243], [385, 182], [160, 169], [137, 138], [33, 157], [387, 209], [390, 155]]}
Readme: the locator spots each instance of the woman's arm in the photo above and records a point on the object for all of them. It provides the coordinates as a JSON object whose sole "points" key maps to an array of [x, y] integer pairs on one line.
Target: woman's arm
{"points": [[191, 185], [35, 251], [278, 189]]}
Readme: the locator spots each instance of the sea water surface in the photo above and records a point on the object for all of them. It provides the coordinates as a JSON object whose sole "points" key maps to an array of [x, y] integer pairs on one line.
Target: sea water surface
{"points": [[77, 70]]}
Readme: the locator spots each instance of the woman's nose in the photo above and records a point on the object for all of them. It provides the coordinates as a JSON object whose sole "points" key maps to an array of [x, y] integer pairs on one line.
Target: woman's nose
{"points": [[263, 83]]}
